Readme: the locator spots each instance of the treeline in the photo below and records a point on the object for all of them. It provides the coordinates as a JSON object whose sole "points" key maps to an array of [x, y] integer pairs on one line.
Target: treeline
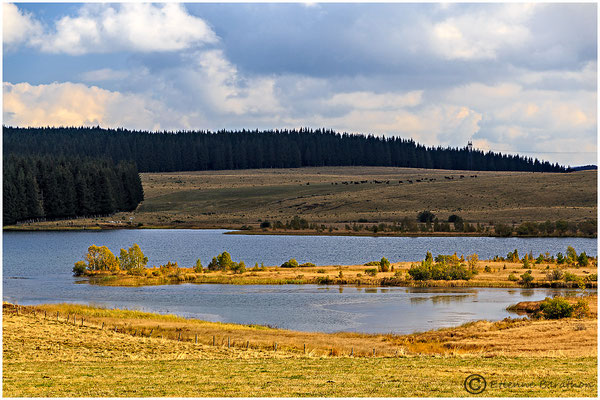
{"points": [[51, 187], [205, 150]]}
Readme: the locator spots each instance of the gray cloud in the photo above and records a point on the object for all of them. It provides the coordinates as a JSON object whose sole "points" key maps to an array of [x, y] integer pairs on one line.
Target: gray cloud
{"points": [[509, 77]]}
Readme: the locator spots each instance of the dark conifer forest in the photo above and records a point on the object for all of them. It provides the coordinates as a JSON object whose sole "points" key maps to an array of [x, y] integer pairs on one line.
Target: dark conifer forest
{"points": [[205, 150], [50, 187]]}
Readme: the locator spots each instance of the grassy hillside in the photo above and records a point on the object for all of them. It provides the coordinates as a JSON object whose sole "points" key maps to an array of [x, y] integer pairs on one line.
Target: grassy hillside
{"points": [[46, 357], [340, 195]]}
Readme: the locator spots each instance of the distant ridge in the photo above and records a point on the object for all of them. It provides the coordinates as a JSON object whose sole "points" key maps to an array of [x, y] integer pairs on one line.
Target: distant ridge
{"points": [[583, 168], [249, 149]]}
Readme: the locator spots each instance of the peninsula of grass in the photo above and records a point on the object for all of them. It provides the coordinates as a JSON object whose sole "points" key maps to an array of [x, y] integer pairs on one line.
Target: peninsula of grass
{"points": [[129, 269], [72, 350]]}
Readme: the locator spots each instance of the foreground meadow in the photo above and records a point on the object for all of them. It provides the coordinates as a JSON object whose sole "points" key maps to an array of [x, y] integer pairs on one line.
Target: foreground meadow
{"points": [[80, 353]]}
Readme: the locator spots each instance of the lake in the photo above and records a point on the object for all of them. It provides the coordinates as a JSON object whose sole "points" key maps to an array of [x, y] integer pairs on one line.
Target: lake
{"points": [[37, 269]]}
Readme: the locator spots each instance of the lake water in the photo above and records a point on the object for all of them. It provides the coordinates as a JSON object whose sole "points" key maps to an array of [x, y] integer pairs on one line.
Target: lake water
{"points": [[37, 269]]}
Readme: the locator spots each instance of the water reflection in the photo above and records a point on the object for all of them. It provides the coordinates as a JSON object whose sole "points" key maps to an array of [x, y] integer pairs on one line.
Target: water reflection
{"points": [[301, 307], [443, 298]]}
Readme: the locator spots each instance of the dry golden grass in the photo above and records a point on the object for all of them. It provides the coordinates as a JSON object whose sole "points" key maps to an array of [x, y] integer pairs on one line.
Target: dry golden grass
{"points": [[243, 197], [43, 357], [572, 337], [497, 276]]}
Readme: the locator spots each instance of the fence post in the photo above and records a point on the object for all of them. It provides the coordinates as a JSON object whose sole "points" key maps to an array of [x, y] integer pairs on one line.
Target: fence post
{"points": [[151, 330], [115, 329], [17, 310], [196, 340], [373, 351], [247, 344], [57, 315], [304, 348], [228, 342], [352, 352], [213, 340], [275, 346], [102, 326], [81, 321], [44, 314]]}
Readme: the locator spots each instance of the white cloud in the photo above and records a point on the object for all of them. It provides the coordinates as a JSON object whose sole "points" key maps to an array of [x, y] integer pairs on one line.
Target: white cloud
{"points": [[71, 104], [17, 26], [104, 28], [217, 83], [482, 34]]}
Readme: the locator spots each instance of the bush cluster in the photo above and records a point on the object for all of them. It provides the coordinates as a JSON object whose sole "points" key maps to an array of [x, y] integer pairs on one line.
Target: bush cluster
{"points": [[445, 267], [556, 308]]}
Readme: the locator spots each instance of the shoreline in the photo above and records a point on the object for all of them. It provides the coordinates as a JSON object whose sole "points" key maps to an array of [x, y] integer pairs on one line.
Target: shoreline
{"points": [[251, 232]]}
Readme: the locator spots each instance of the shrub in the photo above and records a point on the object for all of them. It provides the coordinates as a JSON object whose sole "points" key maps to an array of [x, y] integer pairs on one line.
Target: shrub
{"points": [[79, 268], [320, 271], [198, 266], [265, 224], [239, 268], [556, 308], [419, 272], [526, 278], [472, 261], [324, 280], [513, 256], [221, 263], [502, 230], [307, 265], [292, 263], [439, 270], [384, 265], [371, 271], [487, 268], [592, 278], [512, 278], [583, 260], [372, 264], [569, 277], [581, 309], [555, 275], [426, 216], [224, 261], [571, 255], [454, 218]]}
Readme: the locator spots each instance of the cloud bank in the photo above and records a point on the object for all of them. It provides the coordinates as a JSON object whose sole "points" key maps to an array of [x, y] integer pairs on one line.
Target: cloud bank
{"points": [[497, 74]]}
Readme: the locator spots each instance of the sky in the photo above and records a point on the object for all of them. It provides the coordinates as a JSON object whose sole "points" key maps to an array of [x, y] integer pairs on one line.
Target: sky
{"points": [[510, 77]]}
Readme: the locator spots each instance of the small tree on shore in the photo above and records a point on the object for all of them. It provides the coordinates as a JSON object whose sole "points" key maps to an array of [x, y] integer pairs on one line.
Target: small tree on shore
{"points": [[100, 258], [384, 265], [133, 259]]}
